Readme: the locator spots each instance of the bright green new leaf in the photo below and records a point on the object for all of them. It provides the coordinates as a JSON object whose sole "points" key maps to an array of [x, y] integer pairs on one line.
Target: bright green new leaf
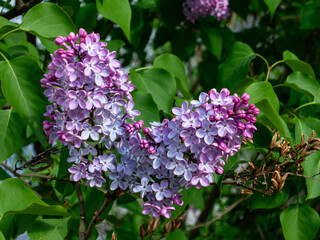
{"points": [[146, 106], [21, 199], [235, 68], [12, 134], [297, 65], [311, 165], [20, 83], [6, 26], [47, 20], [161, 85], [117, 11], [299, 222], [175, 66], [1, 236], [272, 5], [305, 84], [46, 229]]}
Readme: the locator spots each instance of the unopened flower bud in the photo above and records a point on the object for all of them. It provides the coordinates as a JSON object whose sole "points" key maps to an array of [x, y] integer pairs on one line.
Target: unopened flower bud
{"points": [[146, 130], [230, 112], [256, 111], [151, 150], [83, 33], [236, 100], [241, 114], [59, 40], [219, 170], [212, 118], [71, 37], [245, 97], [241, 125], [70, 53]]}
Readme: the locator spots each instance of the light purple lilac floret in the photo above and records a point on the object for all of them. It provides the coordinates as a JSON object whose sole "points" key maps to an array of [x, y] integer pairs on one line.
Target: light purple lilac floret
{"points": [[93, 114], [193, 9]]}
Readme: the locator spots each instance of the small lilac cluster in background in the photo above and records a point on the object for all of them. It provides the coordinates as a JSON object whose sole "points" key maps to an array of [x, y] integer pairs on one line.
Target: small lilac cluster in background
{"points": [[193, 9], [93, 113], [89, 110]]}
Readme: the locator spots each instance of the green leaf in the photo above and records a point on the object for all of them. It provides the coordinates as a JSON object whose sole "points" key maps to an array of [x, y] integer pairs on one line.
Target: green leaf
{"points": [[268, 202], [115, 45], [12, 134], [86, 17], [176, 235], [212, 39], [229, 164], [147, 107], [299, 222], [20, 83], [3, 174], [263, 90], [6, 26], [175, 66], [311, 165], [21, 199], [117, 11], [272, 5], [297, 65], [45, 229], [162, 87], [305, 84], [13, 225], [309, 15], [1, 236], [49, 44], [235, 68], [272, 119], [47, 20]]}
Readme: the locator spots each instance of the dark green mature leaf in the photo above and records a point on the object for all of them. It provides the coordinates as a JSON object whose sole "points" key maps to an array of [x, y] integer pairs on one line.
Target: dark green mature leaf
{"points": [[235, 68], [309, 15], [305, 84], [86, 17], [21, 199], [117, 11], [272, 5], [267, 202], [1, 236], [212, 39], [13, 225], [263, 90], [161, 85], [6, 26], [171, 12], [229, 164], [47, 20], [147, 107], [115, 45], [45, 229], [175, 66], [176, 235], [311, 165], [299, 222], [272, 118], [3, 174], [297, 65], [12, 134], [20, 83]]}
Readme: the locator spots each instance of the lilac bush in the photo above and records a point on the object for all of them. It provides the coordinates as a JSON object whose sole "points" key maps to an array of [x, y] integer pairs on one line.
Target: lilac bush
{"points": [[193, 9], [92, 112]]}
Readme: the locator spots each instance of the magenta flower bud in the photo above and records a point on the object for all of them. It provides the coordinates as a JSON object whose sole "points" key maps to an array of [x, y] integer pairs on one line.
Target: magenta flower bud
{"points": [[212, 118], [222, 146], [129, 128], [83, 33], [151, 150], [236, 99], [241, 125], [167, 122], [241, 114], [256, 111], [141, 123], [144, 143], [219, 170], [221, 163], [70, 53], [252, 106], [253, 119], [61, 51], [146, 130], [59, 40], [71, 37], [137, 126], [248, 117], [245, 97], [226, 91], [230, 112]]}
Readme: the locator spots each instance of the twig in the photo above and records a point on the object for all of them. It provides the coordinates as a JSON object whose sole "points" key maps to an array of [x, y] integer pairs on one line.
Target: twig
{"points": [[221, 214], [20, 8], [82, 224], [109, 199], [7, 167]]}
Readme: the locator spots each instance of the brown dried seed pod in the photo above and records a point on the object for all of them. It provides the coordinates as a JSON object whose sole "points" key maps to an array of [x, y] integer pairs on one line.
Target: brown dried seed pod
{"points": [[312, 136], [142, 231], [246, 191], [275, 183], [168, 227], [114, 237], [302, 139], [151, 222], [156, 224], [303, 153], [273, 141]]}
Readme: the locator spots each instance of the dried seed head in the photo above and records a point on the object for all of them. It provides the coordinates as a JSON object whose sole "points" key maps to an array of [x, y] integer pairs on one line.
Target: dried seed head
{"points": [[273, 141], [168, 227], [114, 237], [142, 232], [312, 136], [156, 224]]}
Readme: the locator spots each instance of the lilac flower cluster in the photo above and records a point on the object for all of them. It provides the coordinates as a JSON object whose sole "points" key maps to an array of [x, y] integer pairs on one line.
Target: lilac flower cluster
{"points": [[185, 151], [89, 111], [93, 113], [193, 9]]}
